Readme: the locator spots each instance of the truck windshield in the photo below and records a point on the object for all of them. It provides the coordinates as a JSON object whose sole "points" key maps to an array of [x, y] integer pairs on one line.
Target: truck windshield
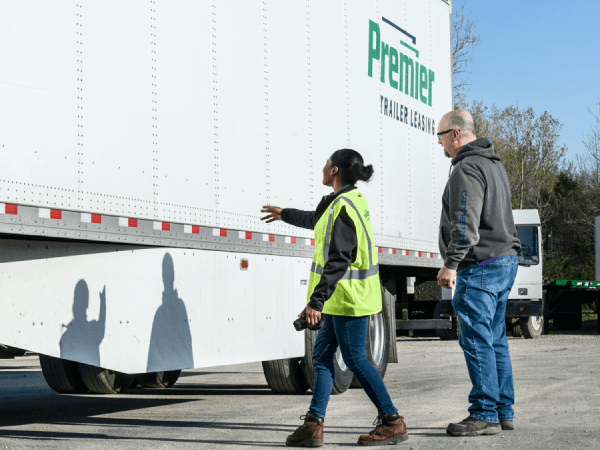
{"points": [[529, 253]]}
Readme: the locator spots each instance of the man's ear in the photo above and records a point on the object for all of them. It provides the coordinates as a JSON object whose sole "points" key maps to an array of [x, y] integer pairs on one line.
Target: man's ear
{"points": [[334, 170]]}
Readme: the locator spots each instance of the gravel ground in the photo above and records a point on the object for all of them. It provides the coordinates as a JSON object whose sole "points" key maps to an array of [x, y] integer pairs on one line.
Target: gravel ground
{"points": [[556, 383]]}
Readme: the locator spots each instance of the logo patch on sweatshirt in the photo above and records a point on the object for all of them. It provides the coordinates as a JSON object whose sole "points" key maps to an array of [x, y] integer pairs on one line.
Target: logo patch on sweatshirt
{"points": [[463, 218]]}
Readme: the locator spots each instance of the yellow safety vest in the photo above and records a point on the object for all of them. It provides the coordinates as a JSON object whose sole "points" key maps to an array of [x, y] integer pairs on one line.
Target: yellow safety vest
{"points": [[358, 293]]}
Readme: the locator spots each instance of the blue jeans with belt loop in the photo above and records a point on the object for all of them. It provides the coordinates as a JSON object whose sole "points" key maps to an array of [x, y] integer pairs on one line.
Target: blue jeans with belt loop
{"points": [[351, 335], [480, 303]]}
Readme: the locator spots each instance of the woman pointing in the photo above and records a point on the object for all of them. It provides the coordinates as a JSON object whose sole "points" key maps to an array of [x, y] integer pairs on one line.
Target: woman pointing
{"points": [[343, 291]]}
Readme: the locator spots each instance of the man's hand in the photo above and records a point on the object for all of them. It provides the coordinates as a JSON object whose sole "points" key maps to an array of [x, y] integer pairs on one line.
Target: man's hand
{"points": [[312, 316], [446, 277], [274, 213]]}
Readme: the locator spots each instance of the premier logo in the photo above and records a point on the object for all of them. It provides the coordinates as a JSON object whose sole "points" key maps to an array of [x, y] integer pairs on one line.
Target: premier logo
{"points": [[400, 70]]}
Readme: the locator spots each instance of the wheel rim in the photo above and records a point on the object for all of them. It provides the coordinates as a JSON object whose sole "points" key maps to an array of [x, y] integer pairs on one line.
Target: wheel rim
{"points": [[377, 335], [340, 360], [537, 322]]}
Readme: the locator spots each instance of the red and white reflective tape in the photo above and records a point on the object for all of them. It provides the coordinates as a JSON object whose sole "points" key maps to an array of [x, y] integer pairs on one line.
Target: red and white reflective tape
{"points": [[163, 226], [220, 232], [45, 213], [128, 222], [392, 251], [191, 229], [290, 240], [309, 242], [269, 237], [379, 250], [245, 235], [429, 255], [91, 218], [7, 208]]}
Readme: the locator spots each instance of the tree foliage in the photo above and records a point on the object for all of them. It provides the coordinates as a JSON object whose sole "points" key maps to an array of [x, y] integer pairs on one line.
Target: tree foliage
{"points": [[464, 40]]}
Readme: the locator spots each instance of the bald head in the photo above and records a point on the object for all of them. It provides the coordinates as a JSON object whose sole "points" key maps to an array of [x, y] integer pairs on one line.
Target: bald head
{"points": [[461, 120]]}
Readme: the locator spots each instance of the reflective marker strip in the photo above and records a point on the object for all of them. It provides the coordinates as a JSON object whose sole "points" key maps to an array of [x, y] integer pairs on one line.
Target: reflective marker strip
{"points": [[220, 232], [191, 229], [290, 240], [431, 255], [126, 222], [309, 242], [164, 226], [245, 235], [91, 218], [7, 208], [419, 254], [50, 213], [392, 251], [269, 237], [379, 250]]}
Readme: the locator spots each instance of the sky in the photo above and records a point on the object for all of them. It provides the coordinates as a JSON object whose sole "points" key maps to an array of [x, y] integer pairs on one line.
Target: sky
{"points": [[543, 54]]}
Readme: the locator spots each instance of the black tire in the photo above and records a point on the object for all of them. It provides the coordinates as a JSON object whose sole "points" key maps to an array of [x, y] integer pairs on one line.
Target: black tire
{"points": [[516, 329], [104, 381], [444, 307], [531, 327], [158, 380], [389, 303], [343, 375], [284, 376], [62, 376], [567, 316], [378, 343]]}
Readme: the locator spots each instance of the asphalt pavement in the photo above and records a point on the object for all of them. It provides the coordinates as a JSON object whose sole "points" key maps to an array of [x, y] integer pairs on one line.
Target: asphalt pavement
{"points": [[231, 407]]}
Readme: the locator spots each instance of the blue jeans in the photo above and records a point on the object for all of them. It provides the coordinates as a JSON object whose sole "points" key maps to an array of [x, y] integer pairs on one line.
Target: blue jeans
{"points": [[480, 303], [350, 333]]}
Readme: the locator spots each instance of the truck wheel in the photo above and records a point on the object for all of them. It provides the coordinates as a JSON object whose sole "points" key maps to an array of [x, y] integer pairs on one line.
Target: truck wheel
{"points": [[343, 375], [378, 344], [567, 316], [389, 311], [284, 376], [445, 307], [158, 380], [62, 376], [104, 381], [531, 327]]}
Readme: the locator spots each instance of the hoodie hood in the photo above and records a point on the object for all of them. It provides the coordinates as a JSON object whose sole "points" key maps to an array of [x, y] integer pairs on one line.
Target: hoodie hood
{"points": [[479, 147]]}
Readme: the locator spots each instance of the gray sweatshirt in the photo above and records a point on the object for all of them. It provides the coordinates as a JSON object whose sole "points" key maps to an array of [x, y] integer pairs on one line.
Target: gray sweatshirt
{"points": [[477, 222]]}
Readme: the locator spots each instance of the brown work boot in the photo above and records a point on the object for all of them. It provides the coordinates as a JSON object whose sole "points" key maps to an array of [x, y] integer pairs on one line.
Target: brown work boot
{"points": [[308, 435], [389, 429]]}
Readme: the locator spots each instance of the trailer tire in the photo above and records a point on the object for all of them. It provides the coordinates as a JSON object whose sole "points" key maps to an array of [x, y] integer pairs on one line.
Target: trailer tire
{"points": [[157, 380], [531, 327], [104, 381], [285, 376], [62, 376], [516, 330], [378, 343], [445, 307], [343, 375]]}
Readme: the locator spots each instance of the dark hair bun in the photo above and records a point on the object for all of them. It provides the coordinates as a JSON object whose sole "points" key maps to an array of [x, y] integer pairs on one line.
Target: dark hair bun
{"points": [[351, 166]]}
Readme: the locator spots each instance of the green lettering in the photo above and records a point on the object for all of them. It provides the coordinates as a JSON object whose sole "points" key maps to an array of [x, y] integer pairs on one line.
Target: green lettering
{"points": [[406, 63], [373, 44], [393, 67], [416, 81], [431, 79], [423, 83], [384, 51]]}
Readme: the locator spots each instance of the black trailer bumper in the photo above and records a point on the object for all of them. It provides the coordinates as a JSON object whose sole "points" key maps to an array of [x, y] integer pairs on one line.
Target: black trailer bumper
{"points": [[523, 309], [424, 324]]}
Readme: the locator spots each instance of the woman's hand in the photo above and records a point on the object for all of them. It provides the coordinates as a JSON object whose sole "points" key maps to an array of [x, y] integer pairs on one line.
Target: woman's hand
{"points": [[274, 213], [313, 316]]}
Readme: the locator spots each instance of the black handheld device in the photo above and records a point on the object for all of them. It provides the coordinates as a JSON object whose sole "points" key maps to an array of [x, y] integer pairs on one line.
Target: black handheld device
{"points": [[300, 324]]}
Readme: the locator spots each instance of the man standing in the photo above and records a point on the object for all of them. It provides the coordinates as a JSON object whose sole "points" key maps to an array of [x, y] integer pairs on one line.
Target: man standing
{"points": [[478, 241]]}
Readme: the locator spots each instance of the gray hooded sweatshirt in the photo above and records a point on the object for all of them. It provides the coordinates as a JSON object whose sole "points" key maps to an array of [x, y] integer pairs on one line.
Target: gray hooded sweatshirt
{"points": [[477, 222]]}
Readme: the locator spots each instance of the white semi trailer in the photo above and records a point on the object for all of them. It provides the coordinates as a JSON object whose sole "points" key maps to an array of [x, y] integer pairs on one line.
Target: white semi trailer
{"points": [[139, 140]]}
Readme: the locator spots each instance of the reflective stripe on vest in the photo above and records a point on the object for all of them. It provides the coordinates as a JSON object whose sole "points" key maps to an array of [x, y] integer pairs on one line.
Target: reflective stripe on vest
{"points": [[351, 274]]}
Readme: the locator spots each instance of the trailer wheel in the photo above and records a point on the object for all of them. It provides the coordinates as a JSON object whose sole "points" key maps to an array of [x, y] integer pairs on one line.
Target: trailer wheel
{"points": [[104, 381], [343, 375], [284, 376], [516, 330], [445, 307], [378, 344], [531, 327], [158, 380], [62, 376]]}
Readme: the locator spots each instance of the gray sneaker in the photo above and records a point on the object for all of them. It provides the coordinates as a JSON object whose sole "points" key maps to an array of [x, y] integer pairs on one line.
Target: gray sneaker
{"points": [[473, 427], [507, 425]]}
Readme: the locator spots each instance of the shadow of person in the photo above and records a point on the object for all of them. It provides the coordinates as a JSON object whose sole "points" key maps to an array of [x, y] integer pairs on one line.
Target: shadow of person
{"points": [[81, 340], [171, 340]]}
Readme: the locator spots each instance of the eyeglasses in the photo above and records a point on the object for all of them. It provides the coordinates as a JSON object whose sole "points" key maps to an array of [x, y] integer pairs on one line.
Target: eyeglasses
{"points": [[439, 135]]}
